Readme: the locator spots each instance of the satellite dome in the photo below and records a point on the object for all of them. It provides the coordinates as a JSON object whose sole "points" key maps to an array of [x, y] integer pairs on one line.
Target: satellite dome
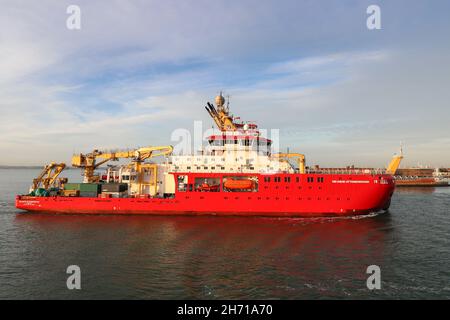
{"points": [[220, 100]]}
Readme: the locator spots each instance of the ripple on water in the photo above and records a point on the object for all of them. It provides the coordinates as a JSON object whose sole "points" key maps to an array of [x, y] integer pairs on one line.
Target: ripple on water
{"points": [[218, 258]]}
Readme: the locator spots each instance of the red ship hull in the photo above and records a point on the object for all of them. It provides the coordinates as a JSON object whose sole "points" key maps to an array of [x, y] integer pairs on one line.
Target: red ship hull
{"points": [[305, 196]]}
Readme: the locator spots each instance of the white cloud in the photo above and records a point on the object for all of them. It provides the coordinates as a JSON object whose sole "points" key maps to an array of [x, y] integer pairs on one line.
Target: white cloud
{"points": [[314, 72]]}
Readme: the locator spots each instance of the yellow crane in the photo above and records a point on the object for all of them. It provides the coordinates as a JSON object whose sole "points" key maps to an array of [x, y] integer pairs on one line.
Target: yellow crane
{"points": [[300, 158], [395, 163], [48, 176], [91, 161], [221, 115]]}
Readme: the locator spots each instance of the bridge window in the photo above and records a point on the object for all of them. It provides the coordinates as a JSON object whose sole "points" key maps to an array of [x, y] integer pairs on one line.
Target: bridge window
{"points": [[217, 143]]}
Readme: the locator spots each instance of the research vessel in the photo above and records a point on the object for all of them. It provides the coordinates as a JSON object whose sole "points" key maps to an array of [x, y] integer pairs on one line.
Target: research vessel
{"points": [[236, 173]]}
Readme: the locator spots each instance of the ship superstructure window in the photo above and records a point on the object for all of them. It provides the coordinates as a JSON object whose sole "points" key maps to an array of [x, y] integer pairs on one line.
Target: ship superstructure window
{"points": [[217, 143], [182, 183], [320, 179], [310, 179], [262, 143], [266, 179], [277, 179], [297, 179], [287, 179]]}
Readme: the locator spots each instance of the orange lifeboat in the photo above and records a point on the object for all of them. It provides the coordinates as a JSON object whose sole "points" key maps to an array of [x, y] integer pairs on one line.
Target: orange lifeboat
{"points": [[207, 187], [234, 184]]}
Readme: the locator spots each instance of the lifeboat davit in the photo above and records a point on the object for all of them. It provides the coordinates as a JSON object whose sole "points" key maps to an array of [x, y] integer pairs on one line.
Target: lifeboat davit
{"points": [[234, 184]]}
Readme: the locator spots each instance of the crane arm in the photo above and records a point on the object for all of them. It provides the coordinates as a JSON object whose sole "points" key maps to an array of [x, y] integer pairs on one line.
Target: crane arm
{"points": [[41, 175], [395, 163], [48, 175], [51, 179], [89, 161], [151, 152], [215, 118], [221, 118]]}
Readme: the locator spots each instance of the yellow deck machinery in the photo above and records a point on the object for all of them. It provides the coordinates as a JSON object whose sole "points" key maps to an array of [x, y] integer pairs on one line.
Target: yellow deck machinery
{"points": [[91, 161], [300, 158], [48, 178], [395, 163], [221, 115]]}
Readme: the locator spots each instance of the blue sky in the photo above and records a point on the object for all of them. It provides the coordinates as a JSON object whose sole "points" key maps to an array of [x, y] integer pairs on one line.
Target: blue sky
{"points": [[137, 70]]}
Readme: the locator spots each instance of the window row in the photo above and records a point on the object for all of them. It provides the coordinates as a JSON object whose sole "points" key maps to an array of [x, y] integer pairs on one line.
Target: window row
{"points": [[297, 179]]}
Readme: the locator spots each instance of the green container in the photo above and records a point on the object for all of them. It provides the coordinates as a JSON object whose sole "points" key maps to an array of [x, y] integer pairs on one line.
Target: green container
{"points": [[83, 187], [72, 186], [89, 187]]}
